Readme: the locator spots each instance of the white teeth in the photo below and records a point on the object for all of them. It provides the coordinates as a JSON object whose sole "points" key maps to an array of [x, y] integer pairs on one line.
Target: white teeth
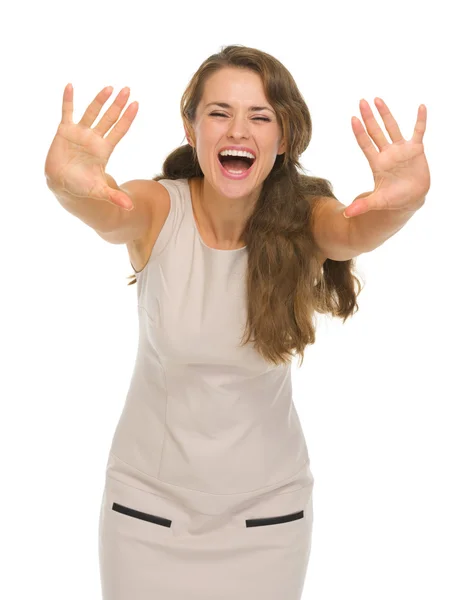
{"points": [[237, 153]]}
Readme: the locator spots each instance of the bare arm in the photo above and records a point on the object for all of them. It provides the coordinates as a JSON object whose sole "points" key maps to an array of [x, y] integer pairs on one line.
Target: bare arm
{"points": [[101, 216]]}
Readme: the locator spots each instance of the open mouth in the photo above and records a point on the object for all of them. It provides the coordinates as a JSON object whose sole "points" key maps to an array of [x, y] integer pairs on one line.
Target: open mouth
{"points": [[236, 164]]}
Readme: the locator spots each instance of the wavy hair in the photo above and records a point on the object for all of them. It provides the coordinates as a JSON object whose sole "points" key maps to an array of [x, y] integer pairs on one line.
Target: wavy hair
{"points": [[286, 283]]}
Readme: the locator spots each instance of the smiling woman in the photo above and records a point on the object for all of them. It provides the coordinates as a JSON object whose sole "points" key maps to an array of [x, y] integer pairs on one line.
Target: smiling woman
{"points": [[209, 471], [276, 201]]}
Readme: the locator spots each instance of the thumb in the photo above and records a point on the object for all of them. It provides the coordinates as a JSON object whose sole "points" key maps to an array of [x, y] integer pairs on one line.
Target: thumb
{"points": [[120, 199], [359, 206]]}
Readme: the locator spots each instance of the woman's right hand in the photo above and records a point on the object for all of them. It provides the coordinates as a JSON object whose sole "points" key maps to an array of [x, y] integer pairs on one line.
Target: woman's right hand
{"points": [[78, 155]]}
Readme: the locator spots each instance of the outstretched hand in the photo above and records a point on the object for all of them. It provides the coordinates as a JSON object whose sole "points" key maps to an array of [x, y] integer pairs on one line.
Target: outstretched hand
{"points": [[400, 169]]}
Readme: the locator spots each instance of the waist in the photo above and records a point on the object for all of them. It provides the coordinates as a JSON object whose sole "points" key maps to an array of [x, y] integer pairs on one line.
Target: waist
{"points": [[201, 501]]}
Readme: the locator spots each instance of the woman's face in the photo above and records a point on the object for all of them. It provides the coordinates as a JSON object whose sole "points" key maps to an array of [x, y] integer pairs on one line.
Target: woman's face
{"points": [[236, 125]]}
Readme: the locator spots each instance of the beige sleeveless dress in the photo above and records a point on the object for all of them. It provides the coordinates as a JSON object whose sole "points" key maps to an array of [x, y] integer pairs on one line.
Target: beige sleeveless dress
{"points": [[208, 489]]}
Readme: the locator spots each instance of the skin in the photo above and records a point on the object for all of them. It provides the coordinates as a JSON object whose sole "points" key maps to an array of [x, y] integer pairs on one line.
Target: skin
{"points": [[221, 205]]}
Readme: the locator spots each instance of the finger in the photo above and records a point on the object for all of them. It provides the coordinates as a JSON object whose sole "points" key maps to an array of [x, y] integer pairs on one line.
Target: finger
{"points": [[389, 121], [112, 114], [364, 140], [68, 105], [372, 126], [93, 109], [358, 207], [420, 125], [123, 125], [120, 199]]}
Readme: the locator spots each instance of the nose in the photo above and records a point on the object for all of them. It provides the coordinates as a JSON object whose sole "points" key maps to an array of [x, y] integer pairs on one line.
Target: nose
{"points": [[238, 128]]}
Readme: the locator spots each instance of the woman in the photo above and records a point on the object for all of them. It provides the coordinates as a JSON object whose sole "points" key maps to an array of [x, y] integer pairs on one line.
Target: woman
{"points": [[208, 491]]}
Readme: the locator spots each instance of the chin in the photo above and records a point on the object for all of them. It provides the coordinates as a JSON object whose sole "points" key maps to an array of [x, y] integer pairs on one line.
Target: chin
{"points": [[236, 189]]}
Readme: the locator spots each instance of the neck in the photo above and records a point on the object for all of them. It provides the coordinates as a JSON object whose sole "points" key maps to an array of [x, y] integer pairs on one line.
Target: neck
{"points": [[221, 220]]}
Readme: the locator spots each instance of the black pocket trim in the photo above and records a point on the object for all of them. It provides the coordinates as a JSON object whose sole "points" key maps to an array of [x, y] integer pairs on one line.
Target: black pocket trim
{"points": [[274, 520], [141, 515]]}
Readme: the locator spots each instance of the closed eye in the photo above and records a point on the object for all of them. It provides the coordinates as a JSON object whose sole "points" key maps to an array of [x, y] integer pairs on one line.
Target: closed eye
{"points": [[216, 114]]}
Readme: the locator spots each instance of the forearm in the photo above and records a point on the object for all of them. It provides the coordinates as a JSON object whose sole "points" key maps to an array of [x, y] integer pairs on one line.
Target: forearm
{"points": [[371, 229], [99, 215]]}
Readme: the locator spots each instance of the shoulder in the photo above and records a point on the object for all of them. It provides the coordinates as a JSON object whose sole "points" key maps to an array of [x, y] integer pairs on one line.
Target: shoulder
{"points": [[145, 190], [152, 201]]}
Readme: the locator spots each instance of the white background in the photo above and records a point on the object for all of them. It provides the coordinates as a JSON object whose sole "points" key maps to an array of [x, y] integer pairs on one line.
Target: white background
{"points": [[384, 399]]}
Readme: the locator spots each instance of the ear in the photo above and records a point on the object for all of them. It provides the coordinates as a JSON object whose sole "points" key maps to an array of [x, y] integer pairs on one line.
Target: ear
{"points": [[189, 137], [282, 147]]}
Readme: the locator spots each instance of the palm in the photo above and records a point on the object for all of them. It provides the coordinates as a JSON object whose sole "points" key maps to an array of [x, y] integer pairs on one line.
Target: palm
{"points": [[78, 157], [400, 170]]}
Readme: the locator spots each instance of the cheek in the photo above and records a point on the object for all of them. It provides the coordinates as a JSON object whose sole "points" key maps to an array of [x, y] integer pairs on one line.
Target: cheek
{"points": [[210, 137]]}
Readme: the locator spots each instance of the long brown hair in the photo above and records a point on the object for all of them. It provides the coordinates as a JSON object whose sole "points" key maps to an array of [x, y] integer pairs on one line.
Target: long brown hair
{"points": [[286, 283]]}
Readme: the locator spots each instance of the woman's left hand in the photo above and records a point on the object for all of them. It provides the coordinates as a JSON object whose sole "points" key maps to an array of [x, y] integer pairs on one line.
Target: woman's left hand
{"points": [[400, 170]]}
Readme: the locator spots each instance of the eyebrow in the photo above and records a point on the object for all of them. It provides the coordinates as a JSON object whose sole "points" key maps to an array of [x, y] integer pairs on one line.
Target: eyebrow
{"points": [[251, 108]]}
